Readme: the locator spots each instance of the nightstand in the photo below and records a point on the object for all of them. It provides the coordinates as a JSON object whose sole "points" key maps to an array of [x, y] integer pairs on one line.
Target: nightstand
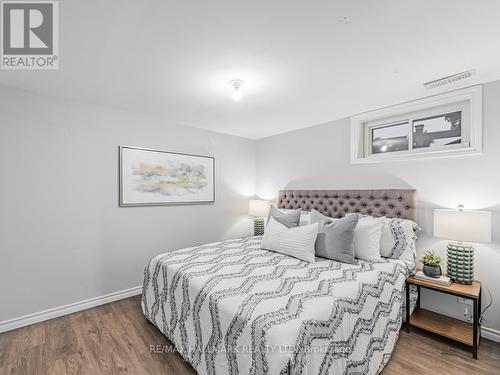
{"points": [[443, 325]]}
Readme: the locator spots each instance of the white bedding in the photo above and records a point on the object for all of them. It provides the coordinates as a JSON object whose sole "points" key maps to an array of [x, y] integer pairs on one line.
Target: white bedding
{"points": [[232, 308]]}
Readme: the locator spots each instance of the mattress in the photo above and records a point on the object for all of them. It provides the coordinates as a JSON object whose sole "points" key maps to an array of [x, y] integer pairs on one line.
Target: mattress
{"points": [[232, 308]]}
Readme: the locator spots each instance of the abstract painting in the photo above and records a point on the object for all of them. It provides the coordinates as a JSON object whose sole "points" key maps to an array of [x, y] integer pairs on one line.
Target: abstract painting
{"points": [[152, 177]]}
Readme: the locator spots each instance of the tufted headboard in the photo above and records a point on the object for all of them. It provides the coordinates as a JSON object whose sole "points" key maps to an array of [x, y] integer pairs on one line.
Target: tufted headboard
{"points": [[336, 203]]}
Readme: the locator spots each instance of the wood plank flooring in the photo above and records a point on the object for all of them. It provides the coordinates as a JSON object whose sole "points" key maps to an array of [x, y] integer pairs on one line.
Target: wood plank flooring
{"points": [[116, 339]]}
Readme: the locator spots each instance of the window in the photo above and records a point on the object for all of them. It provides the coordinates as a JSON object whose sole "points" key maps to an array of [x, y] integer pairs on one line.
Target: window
{"points": [[390, 138], [440, 130], [443, 125]]}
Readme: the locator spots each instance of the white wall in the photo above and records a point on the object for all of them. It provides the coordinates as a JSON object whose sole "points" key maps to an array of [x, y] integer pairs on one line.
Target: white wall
{"points": [[319, 158], [63, 237]]}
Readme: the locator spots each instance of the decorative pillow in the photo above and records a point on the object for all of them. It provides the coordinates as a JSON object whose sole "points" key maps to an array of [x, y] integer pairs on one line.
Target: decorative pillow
{"points": [[296, 242], [398, 239], [305, 216], [335, 237], [289, 219], [367, 238]]}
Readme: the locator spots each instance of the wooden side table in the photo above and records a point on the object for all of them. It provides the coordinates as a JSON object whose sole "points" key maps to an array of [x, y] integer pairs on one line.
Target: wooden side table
{"points": [[443, 325]]}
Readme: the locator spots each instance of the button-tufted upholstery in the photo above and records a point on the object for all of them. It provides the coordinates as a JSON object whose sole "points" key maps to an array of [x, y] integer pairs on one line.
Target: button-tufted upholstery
{"points": [[336, 203]]}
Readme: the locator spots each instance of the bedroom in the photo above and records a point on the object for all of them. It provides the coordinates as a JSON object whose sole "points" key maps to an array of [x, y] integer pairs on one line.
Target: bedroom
{"points": [[161, 128]]}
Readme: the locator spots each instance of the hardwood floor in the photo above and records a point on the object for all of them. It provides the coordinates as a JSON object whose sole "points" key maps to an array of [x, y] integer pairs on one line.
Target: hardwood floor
{"points": [[116, 339]]}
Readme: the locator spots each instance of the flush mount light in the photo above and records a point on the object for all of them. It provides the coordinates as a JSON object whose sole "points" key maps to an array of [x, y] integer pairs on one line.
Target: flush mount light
{"points": [[236, 85], [450, 79]]}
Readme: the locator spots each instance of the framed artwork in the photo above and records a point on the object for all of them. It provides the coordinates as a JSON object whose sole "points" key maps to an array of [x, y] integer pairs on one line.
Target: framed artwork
{"points": [[154, 178]]}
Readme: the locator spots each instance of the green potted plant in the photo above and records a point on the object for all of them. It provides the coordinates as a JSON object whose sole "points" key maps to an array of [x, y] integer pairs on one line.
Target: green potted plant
{"points": [[432, 264]]}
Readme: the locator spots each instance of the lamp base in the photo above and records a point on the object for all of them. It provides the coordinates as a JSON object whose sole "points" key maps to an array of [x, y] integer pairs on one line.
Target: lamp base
{"points": [[258, 226], [460, 267]]}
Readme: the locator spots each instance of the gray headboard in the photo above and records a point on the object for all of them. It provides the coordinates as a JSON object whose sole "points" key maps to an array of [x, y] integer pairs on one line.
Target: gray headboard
{"points": [[336, 203]]}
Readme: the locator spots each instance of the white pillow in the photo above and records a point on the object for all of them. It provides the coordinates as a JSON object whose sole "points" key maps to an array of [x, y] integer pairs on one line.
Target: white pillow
{"points": [[297, 242], [398, 239], [367, 238], [305, 216]]}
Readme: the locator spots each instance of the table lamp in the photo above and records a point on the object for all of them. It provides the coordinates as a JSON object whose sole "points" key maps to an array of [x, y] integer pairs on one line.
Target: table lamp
{"points": [[258, 209], [462, 225]]}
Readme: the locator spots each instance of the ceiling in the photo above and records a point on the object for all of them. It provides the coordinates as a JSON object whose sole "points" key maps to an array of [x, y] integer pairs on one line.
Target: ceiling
{"points": [[303, 63]]}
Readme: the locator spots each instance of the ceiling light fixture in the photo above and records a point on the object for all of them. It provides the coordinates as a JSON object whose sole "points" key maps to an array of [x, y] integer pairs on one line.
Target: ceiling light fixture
{"points": [[450, 79], [236, 85]]}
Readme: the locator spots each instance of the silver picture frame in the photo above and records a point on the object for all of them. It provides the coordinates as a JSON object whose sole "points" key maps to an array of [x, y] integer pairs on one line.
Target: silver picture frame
{"points": [[124, 178]]}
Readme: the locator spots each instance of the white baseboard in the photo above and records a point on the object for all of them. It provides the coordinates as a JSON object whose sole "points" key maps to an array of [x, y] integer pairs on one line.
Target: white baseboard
{"points": [[490, 334], [8, 325]]}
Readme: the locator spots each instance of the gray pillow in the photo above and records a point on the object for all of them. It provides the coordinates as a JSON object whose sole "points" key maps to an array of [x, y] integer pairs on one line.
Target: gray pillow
{"points": [[335, 237], [289, 220]]}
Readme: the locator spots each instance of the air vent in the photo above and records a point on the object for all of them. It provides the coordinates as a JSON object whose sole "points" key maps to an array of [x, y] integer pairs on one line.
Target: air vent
{"points": [[450, 79]]}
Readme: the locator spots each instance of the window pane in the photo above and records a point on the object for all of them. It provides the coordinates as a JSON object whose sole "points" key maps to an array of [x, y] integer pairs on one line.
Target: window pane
{"points": [[439, 130], [390, 138]]}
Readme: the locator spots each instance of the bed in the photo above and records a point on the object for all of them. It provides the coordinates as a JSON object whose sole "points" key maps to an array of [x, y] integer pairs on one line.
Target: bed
{"points": [[231, 307]]}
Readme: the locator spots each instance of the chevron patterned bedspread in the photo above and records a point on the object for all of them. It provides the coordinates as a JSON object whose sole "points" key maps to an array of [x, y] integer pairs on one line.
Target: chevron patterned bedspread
{"points": [[232, 308]]}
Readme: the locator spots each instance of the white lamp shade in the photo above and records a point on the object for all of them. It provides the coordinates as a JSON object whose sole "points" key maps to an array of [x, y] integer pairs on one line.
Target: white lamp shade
{"points": [[462, 225], [258, 207]]}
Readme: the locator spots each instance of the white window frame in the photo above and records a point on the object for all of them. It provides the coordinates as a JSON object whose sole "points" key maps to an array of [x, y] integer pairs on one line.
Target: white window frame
{"points": [[468, 101]]}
